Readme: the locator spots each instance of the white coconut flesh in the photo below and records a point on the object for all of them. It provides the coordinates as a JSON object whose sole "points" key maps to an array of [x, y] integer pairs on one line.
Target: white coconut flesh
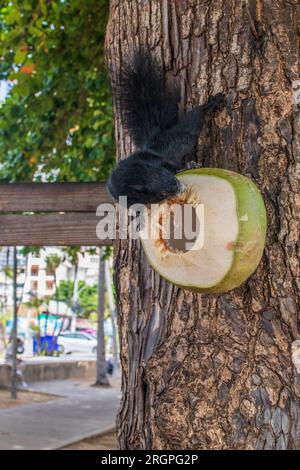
{"points": [[212, 256]]}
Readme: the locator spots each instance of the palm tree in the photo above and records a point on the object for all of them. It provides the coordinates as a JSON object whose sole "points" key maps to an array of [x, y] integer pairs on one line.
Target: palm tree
{"points": [[112, 309], [72, 253], [101, 376], [53, 261], [35, 303]]}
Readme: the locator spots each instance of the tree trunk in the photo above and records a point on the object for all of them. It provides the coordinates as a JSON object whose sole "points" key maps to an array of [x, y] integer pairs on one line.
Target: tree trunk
{"points": [[113, 316], [14, 333], [217, 371], [101, 376]]}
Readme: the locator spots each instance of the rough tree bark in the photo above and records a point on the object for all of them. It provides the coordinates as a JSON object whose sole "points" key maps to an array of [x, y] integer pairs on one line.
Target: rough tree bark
{"points": [[216, 372]]}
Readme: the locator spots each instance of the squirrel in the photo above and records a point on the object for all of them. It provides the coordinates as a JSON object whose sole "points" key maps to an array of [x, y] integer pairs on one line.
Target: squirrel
{"points": [[150, 115]]}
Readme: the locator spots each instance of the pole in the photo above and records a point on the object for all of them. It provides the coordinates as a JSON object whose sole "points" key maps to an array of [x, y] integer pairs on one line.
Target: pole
{"points": [[14, 329], [112, 308], [75, 298]]}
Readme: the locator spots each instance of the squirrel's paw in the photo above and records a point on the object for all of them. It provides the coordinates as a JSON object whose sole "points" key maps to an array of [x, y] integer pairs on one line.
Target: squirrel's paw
{"points": [[191, 165]]}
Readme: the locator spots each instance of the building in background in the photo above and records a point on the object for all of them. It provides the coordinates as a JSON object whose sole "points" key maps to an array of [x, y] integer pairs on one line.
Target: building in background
{"points": [[6, 281], [35, 279], [40, 281]]}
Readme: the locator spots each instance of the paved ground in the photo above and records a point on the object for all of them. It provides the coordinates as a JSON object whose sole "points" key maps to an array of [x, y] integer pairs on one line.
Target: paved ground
{"points": [[81, 412], [106, 441], [49, 359]]}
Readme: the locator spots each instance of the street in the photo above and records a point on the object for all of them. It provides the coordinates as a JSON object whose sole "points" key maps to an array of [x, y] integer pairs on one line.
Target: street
{"points": [[82, 411]]}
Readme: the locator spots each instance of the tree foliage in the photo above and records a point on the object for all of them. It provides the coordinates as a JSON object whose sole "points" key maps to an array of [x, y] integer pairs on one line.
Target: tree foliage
{"points": [[56, 123], [87, 296]]}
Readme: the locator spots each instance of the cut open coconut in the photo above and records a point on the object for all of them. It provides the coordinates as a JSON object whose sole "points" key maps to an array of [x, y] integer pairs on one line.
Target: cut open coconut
{"points": [[227, 220]]}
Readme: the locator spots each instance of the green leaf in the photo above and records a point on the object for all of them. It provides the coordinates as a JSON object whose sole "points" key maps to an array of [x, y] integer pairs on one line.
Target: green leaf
{"points": [[45, 103], [89, 143], [20, 56], [12, 16]]}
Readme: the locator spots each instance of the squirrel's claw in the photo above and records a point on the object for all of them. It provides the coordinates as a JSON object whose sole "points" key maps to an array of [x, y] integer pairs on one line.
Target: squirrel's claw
{"points": [[192, 164]]}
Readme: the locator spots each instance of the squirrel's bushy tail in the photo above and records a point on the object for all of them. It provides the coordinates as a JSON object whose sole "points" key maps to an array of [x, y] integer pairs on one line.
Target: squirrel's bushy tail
{"points": [[141, 98]]}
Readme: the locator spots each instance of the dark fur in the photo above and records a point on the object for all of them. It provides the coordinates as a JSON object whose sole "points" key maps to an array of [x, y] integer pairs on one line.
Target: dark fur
{"points": [[150, 115]]}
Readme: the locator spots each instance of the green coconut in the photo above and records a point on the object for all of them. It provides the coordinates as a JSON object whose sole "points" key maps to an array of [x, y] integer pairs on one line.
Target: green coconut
{"points": [[227, 248]]}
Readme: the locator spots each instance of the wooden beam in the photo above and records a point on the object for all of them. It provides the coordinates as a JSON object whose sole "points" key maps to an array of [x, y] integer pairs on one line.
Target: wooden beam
{"points": [[52, 197], [50, 230]]}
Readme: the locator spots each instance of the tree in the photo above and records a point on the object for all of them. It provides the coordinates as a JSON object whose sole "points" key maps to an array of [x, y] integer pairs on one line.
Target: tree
{"points": [[35, 304], [112, 310], [101, 375], [207, 371], [56, 122], [72, 253], [64, 292], [87, 297], [53, 262]]}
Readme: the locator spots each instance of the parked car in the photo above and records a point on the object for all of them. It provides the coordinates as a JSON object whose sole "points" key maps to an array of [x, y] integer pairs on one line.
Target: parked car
{"points": [[76, 342], [90, 331]]}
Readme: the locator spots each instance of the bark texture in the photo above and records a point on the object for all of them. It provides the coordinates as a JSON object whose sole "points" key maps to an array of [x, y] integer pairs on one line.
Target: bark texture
{"points": [[216, 372]]}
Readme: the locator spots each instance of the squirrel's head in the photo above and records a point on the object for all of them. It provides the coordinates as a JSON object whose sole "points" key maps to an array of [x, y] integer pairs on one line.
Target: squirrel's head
{"points": [[143, 178]]}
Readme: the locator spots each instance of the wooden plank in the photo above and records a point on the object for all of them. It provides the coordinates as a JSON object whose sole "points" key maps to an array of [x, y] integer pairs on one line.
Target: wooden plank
{"points": [[52, 197], [50, 230]]}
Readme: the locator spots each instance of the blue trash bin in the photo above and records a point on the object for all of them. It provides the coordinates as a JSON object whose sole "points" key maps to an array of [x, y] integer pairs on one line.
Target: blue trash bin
{"points": [[47, 343]]}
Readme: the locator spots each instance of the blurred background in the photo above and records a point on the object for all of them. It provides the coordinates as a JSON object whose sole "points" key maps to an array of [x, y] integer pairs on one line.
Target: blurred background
{"points": [[56, 125]]}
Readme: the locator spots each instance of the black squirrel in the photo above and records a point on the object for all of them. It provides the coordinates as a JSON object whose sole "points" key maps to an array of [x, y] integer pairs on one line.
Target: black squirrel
{"points": [[150, 115]]}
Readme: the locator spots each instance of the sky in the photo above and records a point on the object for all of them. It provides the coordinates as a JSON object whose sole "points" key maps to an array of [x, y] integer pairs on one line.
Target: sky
{"points": [[3, 90]]}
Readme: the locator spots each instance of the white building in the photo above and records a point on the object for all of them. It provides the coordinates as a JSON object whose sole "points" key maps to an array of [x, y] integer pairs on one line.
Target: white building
{"points": [[34, 278], [6, 282]]}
